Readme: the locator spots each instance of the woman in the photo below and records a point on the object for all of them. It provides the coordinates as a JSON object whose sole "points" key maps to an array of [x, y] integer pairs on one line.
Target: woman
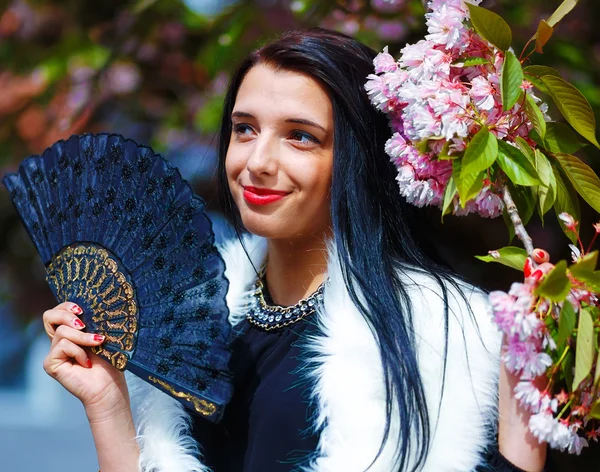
{"points": [[382, 360]]}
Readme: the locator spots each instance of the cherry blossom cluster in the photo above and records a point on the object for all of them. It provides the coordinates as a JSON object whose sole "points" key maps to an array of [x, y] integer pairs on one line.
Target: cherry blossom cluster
{"points": [[522, 316], [440, 92]]}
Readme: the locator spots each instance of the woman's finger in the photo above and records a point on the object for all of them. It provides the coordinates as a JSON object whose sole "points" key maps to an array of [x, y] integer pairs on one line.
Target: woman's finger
{"points": [[63, 351], [63, 314], [76, 336]]}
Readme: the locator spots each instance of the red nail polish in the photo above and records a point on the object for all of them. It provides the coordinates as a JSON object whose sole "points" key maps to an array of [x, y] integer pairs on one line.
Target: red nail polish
{"points": [[76, 309], [528, 267], [89, 363], [537, 275], [540, 256], [78, 323], [98, 337]]}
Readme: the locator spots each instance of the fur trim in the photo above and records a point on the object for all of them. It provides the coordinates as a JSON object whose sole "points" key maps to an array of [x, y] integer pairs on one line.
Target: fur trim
{"points": [[347, 379], [162, 428], [349, 388], [241, 272]]}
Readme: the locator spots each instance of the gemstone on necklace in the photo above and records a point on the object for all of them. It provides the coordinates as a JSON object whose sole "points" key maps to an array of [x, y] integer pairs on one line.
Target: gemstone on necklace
{"points": [[268, 317]]}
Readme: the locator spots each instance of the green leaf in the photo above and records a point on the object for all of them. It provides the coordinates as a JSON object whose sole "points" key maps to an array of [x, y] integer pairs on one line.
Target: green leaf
{"points": [[566, 324], [542, 36], [565, 7], [585, 272], [535, 73], [585, 352], [509, 225], [481, 152], [556, 285], [573, 106], [444, 156], [566, 201], [596, 378], [468, 185], [541, 71], [516, 165], [526, 149], [449, 195], [511, 80], [587, 263], [559, 138], [595, 411], [525, 201], [546, 191], [535, 115], [583, 178], [509, 256], [567, 369], [491, 27], [472, 61]]}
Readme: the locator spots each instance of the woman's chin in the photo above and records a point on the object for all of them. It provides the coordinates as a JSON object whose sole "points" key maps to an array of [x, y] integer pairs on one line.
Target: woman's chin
{"points": [[266, 226]]}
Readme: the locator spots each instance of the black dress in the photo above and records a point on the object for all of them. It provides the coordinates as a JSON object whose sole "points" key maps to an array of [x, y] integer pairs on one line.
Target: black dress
{"points": [[267, 425]]}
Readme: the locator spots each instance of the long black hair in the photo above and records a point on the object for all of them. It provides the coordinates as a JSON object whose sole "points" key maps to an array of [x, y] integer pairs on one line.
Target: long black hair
{"points": [[375, 231]]}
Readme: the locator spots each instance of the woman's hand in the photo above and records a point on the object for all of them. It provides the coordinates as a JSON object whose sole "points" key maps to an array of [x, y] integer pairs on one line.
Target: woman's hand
{"points": [[515, 441], [100, 386]]}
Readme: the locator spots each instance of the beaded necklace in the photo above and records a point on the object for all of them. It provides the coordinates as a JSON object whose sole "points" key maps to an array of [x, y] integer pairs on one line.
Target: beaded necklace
{"points": [[270, 317]]}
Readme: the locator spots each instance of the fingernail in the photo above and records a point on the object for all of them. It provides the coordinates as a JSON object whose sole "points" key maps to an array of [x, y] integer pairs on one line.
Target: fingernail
{"points": [[89, 363], [540, 256], [76, 309], [98, 337], [528, 267], [78, 323], [537, 275]]}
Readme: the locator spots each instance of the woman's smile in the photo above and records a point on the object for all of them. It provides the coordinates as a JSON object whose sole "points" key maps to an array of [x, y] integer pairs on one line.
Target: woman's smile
{"points": [[263, 196]]}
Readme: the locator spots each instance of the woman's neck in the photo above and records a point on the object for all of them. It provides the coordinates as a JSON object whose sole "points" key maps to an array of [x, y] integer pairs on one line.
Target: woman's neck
{"points": [[295, 269]]}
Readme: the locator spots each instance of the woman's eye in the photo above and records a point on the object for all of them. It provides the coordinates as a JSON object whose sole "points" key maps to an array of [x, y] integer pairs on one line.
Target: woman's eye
{"points": [[304, 138], [242, 129]]}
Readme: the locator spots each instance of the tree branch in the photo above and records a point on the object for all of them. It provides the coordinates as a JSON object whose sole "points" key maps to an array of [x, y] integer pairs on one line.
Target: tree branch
{"points": [[513, 213]]}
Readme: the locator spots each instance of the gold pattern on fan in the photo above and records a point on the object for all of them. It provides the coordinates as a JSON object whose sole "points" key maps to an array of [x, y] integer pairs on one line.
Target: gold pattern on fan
{"points": [[201, 406], [92, 274]]}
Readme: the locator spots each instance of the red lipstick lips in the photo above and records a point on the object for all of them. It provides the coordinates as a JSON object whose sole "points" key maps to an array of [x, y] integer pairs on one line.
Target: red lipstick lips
{"points": [[262, 196]]}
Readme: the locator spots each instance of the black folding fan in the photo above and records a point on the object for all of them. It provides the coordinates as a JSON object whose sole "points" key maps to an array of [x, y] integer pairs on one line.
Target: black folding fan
{"points": [[123, 235]]}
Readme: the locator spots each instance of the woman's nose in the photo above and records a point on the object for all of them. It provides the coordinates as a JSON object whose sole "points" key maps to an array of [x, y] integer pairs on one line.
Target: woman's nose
{"points": [[263, 158]]}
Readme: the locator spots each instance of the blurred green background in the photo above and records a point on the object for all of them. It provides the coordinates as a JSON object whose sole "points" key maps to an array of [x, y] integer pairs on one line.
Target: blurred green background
{"points": [[157, 70]]}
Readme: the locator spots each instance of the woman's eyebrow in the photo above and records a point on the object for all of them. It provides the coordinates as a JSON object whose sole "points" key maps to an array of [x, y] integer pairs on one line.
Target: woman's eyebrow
{"points": [[302, 121], [305, 122], [241, 114]]}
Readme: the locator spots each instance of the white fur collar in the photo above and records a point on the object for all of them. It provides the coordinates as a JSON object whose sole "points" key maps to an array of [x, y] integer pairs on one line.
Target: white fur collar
{"points": [[348, 381]]}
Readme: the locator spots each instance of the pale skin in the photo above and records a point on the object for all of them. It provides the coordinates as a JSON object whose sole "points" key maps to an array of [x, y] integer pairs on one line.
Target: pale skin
{"points": [[282, 139]]}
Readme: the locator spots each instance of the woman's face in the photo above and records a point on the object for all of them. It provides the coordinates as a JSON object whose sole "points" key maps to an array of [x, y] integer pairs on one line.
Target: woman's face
{"points": [[280, 156]]}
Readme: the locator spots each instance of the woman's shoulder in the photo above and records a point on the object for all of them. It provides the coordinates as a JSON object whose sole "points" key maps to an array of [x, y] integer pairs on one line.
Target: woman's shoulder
{"points": [[435, 298], [459, 361], [453, 324]]}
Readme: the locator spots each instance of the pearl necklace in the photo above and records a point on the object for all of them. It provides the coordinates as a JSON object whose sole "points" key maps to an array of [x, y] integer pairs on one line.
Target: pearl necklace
{"points": [[269, 317]]}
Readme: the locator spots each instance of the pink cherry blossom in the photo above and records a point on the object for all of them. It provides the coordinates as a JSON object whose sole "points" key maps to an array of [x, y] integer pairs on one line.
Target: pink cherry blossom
{"points": [[529, 396], [384, 62], [446, 26], [482, 92]]}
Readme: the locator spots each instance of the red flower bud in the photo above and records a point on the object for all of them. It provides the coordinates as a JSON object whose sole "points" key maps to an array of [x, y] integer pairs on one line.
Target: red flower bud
{"points": [[539, 256]]}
